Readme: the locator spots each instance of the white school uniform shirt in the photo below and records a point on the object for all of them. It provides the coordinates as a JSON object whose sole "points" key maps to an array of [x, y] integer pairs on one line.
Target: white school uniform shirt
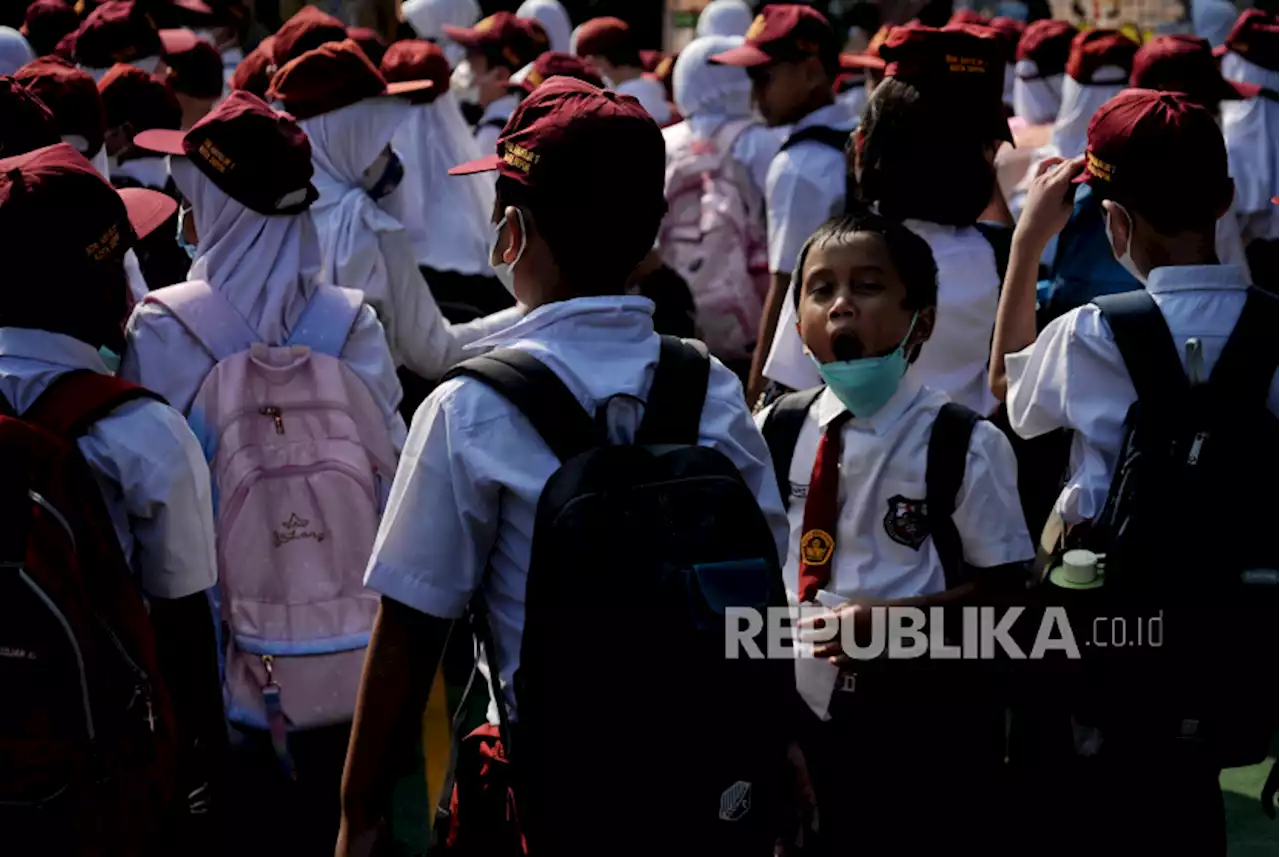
{"points": [[147, 463], [492, 121], [805, 188], [954, 360], [1073, 376], [882, 466], [462, 507], [651, 94]]}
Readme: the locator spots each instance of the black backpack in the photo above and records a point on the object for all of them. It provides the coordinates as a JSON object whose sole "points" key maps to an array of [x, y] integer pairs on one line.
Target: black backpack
{"points": [[628, 706], [1188, 533], [832, 138]]}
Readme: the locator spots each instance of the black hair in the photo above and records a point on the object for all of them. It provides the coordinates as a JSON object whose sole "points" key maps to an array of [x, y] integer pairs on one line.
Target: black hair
{"points": [[593, 256], [623, 56], [1168, 214], [924, 156], [909, 252]]}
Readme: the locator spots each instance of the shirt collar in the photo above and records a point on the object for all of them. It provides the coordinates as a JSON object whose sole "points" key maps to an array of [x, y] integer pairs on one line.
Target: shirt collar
{"points": [[835, 115], [56, 348], [500, 108], [1184, 278], [830, 407], [606, 311]]}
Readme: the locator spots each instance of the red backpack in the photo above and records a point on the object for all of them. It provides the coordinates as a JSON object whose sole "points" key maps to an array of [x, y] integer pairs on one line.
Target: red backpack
{"points": [[87, 738]]}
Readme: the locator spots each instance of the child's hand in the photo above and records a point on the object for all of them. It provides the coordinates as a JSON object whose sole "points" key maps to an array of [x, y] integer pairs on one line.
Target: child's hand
{"points": [[856, 611], [1050, 201]]}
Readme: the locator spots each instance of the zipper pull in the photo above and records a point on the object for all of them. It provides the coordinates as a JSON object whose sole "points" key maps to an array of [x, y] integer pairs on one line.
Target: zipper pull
{"points": [[275, 414], [151, 716], [1195, 361], [1193, 457]]}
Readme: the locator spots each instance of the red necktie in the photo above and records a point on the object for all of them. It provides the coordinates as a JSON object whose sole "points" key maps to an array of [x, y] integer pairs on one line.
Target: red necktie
{"points": [[821, 512]]}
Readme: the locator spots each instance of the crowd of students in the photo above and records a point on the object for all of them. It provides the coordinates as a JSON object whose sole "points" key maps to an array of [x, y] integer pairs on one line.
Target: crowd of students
{"points": [[518, 331]]}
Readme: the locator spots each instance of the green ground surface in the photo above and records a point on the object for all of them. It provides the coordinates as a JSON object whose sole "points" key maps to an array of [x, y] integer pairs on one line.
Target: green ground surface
{"points": [[1250, 833]]}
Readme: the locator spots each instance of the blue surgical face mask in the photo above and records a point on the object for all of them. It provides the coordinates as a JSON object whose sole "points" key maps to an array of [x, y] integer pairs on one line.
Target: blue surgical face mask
{"points": [[182, 238], [865, 384], [392, 175]]}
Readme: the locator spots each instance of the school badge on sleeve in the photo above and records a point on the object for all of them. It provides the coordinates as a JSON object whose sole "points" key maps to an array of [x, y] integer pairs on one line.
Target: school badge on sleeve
{"points": [[907, 521], [816, 547]]}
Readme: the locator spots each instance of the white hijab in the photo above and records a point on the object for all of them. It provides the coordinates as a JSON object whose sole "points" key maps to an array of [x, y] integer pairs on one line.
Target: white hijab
{"points": [[14, 51], [707, 94], [429, 17], [345, 143], [447, 217], [266, 267], [1250, 127], [1079, 102], [725, 18], [553, 18], [1036, 99]]}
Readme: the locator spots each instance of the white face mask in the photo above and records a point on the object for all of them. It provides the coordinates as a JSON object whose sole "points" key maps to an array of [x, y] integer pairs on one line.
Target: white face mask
{"points": [[463, 83], [506, 272], [1126, 258]]}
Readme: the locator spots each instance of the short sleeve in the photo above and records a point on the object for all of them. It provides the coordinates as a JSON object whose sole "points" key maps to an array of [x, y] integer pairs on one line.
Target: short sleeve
{"points": [[796, 207], [442, 516], [160, 355], [988, 512]]}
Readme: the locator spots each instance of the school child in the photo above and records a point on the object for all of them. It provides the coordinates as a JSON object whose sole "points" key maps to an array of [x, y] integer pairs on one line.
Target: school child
{"points": [[876, 518], [1084, 372], [554, 19], [73, 97], [309, 28], [194, 70], [613, 49], [150, 679], [718, 161], [253, 73], [1250, 128], [350, 114], [931, 126], [482, 474], [429, 17], [497, 47], [136, 101], [553, 64], [116, 31], [446, 219], [227, 342], [1097, 69], [724, 18], [46, 23], [792, 57]]}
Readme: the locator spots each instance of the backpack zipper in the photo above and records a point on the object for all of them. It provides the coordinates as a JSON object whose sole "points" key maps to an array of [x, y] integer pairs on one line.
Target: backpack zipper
{"points": [[75, 648], [1193, 456], [275, 414], [143, 681]]}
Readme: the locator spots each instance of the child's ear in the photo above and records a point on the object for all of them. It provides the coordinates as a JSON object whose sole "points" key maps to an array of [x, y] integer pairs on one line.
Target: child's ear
{"points": [[921, 332]]}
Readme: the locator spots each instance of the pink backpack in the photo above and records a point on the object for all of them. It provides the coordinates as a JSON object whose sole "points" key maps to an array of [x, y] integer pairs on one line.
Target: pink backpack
{"points": [[299, 454], [714, 237]]}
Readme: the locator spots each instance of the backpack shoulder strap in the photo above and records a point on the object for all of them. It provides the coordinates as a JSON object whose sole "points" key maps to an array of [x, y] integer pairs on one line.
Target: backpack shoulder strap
{"points": [[833, 137], [781, 432], [326, 322], [76, 400], [207, 317], [729, 132], [1000, 237], [1146, 346], [541, 396], [1248, 361], [944, 477], [673, 411]]}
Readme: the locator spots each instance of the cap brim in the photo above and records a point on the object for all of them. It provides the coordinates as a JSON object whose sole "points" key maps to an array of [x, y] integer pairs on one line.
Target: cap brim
{"points": [[860, 62], [487, 164], [197, 6], [743, 56], [464, 36], [1220, 51], [178, 41], [1233, 90], [161, 140], [408, 87], [148, 209]]}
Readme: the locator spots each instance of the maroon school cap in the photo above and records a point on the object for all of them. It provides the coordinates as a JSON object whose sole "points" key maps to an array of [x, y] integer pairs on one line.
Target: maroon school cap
{"points": [[1095, 49], [72, 96], [254, 72], [417, 59], [116, 31], [1158, 151], [46, 23], [963, 63], [517, 41], [869, 58], [333, 76], [1255, 37], [782, 32], [969, 16], [370, 42], [25, 122], [195, 66], [147, 209], [143, 101], [1010, 30], [601, 36], [1186, 64], [256, 155], [556, 64], [1047, 43], [307, 30]]}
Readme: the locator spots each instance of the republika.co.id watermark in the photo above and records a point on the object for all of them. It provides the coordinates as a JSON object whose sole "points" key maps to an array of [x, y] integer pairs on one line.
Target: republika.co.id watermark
{"points": [[898, 632]]}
